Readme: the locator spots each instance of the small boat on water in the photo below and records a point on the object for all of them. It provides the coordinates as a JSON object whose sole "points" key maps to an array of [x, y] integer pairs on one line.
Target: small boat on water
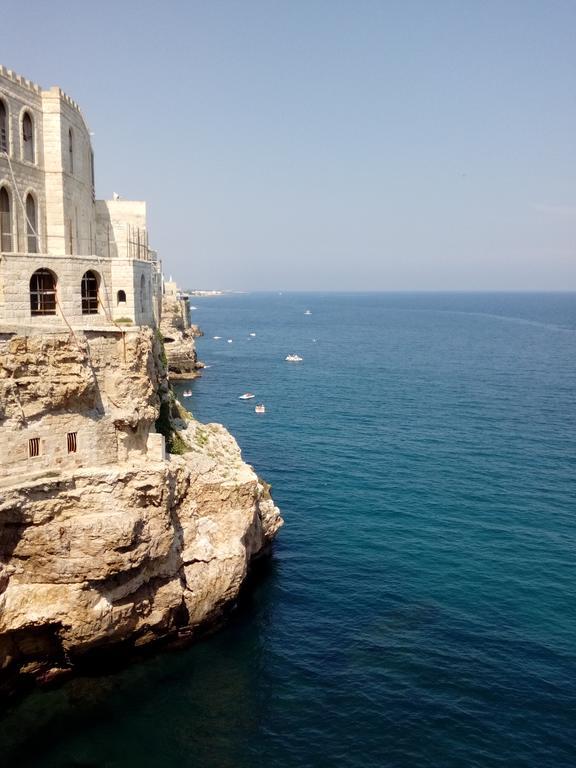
{"points": [[307, 312], [188, 393], [252, 334], [293, 358], [247, 396], [260, 408], [216, 337], [229, 341]]}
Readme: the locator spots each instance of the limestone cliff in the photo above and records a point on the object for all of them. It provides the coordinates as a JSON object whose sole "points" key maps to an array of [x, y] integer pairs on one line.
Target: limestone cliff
{"points": [[112, 543], [178, 335]]}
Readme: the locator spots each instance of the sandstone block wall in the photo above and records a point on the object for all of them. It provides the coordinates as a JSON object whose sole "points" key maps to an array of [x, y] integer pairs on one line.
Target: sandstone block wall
{"points": [[69, 222], [102, 387]]}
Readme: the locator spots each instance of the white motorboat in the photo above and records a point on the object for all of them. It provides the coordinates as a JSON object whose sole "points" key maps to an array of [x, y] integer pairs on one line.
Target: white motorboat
{"points": [[252, 334], [187, 394], [247, 396], [307, 312], [293, 358], [260, 408], [229, 341], [216, 337]]}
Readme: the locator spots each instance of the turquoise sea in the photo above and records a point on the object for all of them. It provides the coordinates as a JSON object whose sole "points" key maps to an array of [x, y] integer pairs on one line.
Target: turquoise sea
{"points": [[420, 607]]}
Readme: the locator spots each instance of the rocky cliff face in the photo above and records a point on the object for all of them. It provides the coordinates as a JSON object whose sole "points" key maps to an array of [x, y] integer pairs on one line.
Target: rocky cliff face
{"points": [[178, 335], [129, 551]]}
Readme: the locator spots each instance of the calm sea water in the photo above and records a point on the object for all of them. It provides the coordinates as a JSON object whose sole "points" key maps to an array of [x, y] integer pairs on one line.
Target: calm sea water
{"points": [[420, 610]]}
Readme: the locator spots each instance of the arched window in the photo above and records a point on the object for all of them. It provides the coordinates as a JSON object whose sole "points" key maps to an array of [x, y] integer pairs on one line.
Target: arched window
{"points": [[28, 138], [31, 224], [70, 151], [121, 298], [43, 292], [89, 289], [4, 134], [5, 221], [142, 294]]}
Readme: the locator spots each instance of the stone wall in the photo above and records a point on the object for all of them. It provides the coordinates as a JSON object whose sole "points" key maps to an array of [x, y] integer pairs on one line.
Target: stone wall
{"points": [[101, 386]]}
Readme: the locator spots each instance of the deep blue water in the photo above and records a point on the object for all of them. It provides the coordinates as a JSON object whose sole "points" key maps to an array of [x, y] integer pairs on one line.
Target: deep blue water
{"points": [[420, 609]]}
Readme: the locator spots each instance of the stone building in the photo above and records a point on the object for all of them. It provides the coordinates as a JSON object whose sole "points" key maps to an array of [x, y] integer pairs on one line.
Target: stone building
{"points": [[80, 291], [66, 259]]}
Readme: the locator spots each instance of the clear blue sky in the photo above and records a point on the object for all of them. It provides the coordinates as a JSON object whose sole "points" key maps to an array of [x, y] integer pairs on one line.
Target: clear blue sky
{"points": [[328, 144]]}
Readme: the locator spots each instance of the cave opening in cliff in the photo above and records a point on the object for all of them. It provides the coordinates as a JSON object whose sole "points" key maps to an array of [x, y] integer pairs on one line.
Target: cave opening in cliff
{"points": [[43, 292], [89, 293]]}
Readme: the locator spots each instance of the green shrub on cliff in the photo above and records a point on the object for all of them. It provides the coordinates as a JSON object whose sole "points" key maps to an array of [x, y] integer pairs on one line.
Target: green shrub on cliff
{"points": [[175, 443]]}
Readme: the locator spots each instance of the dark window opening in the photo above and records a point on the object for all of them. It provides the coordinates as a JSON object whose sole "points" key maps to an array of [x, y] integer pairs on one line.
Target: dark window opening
{"points": [[43, 292], [5, 221], [72, 441], [28, 137], [142, 294], [34, 447], [70, 150], [121, 297], [89, 290], [3, 128], [31, 225]]}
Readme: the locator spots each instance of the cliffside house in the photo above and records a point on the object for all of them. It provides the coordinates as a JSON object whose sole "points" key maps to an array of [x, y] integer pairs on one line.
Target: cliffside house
{"points": [[68, 261], [65, 257]]}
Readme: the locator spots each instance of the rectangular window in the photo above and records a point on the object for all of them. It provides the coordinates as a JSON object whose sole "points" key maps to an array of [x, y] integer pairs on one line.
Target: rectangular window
{"points": [[34, 447], [72, 442]]}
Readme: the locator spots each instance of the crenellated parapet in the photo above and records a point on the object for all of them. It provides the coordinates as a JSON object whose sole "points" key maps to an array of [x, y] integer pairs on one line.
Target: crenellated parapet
{"points": [[9, 74]]}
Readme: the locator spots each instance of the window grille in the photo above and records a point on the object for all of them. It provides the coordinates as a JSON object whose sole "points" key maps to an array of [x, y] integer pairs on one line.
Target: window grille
{"points": [[89, 290], [34, 447], [72, 442], [3, 127], [28, 137], [5, 221], [43, 293], [31, 225]]}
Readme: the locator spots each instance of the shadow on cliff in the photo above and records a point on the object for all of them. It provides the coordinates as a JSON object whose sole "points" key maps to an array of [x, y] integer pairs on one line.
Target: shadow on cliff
{"points": [[34, 723]]}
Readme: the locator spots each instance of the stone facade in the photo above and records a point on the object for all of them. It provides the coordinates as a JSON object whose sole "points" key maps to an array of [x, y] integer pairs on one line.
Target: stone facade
{"points": [[70, 402], [50, 221]]}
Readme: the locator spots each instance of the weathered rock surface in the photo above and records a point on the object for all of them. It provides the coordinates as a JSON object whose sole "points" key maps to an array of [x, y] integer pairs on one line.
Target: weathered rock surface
{"points": [[130, 552], [178, 335]]}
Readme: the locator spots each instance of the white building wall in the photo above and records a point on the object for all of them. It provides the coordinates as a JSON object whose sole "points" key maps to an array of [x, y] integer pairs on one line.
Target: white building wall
{"points": [[76, 232], [20, 96]]}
